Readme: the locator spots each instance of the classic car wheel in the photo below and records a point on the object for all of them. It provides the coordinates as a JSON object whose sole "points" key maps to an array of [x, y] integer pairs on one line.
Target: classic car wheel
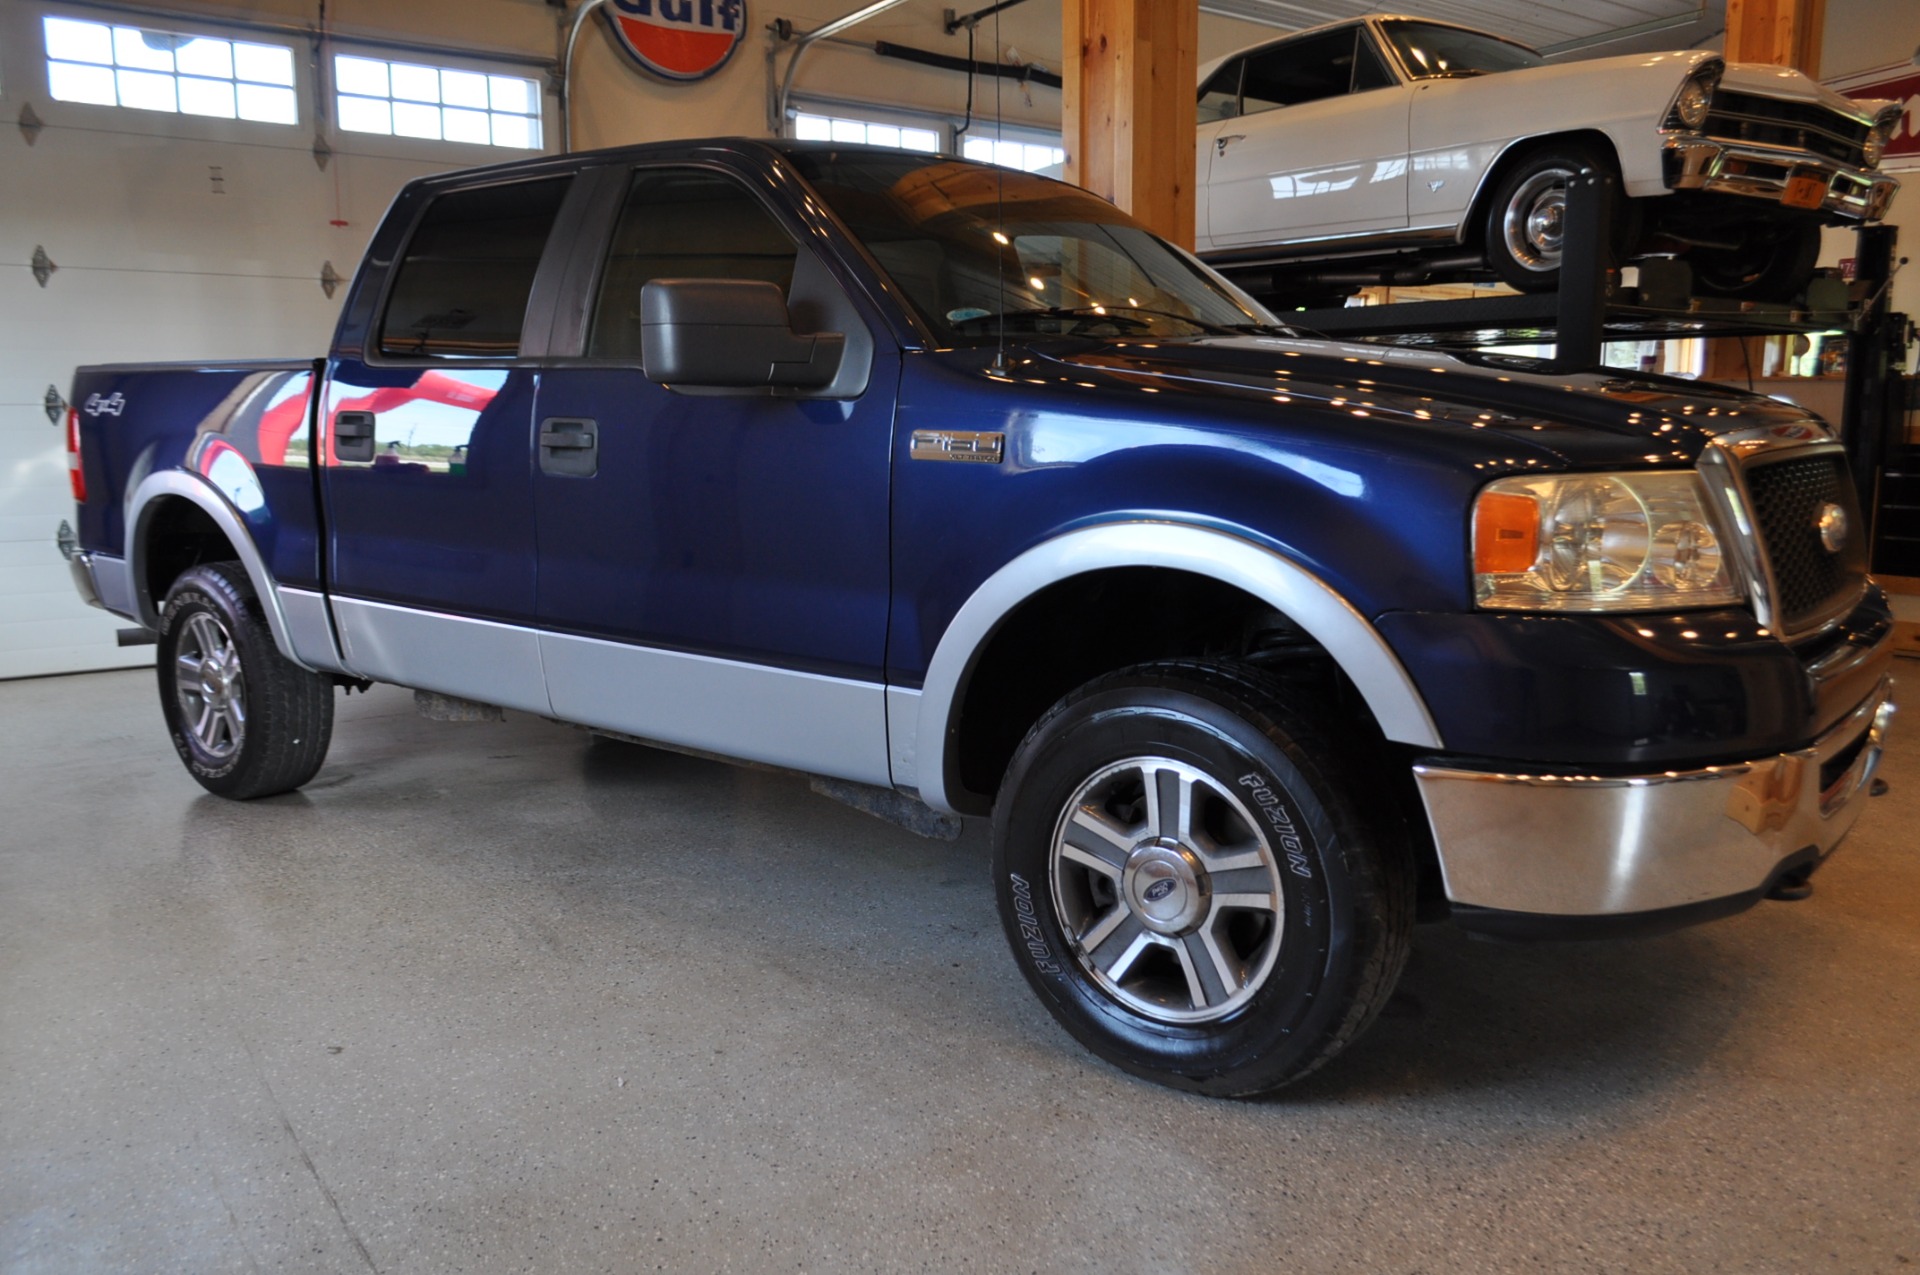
{"points": [[1190, 882], [1776, 269], [246, 721], [1525, 232]]}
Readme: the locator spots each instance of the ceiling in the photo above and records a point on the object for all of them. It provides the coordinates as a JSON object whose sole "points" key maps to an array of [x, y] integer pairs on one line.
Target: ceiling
{"points": [[1588, 27]]}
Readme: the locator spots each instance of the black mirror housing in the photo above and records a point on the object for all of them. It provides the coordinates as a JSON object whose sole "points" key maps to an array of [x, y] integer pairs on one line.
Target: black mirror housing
{"points": [[730, 334]]}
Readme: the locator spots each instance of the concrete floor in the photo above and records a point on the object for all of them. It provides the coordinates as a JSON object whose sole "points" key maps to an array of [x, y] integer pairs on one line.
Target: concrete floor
{"points": [[495, 998]]}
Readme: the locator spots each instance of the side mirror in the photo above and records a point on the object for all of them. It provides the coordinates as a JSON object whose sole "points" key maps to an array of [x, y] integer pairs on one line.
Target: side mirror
{"points": [[730, 334]]}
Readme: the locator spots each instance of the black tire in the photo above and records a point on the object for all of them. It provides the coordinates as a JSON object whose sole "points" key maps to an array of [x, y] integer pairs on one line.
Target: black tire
{"points": [[1283, 985], [246, 721], [1768, 269], [1522, 233]]}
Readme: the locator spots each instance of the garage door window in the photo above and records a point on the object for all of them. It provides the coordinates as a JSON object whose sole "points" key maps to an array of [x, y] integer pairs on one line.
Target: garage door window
{"points": [[152, 70], [437, 103]]}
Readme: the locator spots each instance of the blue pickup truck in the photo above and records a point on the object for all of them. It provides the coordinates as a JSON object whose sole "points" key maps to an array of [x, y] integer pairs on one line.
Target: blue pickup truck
{"points": [[952, 485]]}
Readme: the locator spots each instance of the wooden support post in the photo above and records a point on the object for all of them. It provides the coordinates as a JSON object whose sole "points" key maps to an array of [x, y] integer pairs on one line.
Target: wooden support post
{"points": [[1127, 106], [1785, 32]]}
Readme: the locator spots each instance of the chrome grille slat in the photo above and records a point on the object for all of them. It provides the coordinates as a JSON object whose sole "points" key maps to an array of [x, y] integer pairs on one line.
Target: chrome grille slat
{"points": [[1743, 117]]}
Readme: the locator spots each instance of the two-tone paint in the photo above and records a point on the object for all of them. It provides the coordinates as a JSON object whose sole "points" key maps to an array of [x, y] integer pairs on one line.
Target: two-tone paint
{"points": [[780, 579]]}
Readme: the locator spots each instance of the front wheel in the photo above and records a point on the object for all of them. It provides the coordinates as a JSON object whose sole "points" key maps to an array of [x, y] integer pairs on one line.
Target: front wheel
{"points": [[246, 721], [1190, 884]]}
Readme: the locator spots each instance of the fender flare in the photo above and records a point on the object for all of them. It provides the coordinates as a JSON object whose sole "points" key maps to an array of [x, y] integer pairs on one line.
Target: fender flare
{"points": [[1355, 645], [201, 493]]}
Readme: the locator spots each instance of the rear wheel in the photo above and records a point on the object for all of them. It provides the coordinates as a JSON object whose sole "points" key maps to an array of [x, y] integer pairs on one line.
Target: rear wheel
{"points": [[1776, 268], [1189, 883], [246, 721]]}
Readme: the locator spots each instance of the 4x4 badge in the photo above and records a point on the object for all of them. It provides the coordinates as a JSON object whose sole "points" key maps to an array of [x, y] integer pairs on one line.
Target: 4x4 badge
{"points": [[1832, 523]]}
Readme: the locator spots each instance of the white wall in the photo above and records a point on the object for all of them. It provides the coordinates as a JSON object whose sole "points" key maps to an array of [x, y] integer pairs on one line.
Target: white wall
{"points": [[1871, 35]]}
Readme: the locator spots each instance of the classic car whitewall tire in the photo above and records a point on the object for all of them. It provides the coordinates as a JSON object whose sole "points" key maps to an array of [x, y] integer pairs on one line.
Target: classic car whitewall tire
{"points": [[246, 721], [1191, 882]]}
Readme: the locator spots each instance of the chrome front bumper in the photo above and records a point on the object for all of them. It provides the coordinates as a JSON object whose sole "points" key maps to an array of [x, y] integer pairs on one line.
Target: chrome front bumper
{"points": [[1580, 846], [1762, 172]]}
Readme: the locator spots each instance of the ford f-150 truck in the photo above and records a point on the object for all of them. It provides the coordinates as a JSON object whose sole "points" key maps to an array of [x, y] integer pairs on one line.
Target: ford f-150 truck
{"points": [[954, 483]]}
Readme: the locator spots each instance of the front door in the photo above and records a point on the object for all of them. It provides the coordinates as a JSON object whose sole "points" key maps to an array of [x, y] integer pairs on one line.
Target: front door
{"points": [[713, 565]]}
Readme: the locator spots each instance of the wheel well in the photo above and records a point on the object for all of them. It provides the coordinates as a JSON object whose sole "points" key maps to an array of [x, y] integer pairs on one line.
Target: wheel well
{"points": [[1080, 628], [1517, 154], [180, 536], [1090, 625]]}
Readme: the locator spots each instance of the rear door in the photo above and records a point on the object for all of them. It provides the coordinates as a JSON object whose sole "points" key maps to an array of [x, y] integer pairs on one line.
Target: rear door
{"points": [[428, 474], [714, 565], [1319, 148]]}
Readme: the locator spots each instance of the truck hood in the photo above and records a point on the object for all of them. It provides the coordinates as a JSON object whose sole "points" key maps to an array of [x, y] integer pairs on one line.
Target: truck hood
{"points": [[1608, 418]]}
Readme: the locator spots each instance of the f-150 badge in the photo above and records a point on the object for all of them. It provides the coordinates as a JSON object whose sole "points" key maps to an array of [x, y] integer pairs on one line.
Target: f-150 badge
{"points": [[978, 446]]}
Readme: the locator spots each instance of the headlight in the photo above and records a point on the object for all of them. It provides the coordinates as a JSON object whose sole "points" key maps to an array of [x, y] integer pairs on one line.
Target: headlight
{"points": [[1598, 542], [1876, 144], [1690, 108], [1695, 99]]}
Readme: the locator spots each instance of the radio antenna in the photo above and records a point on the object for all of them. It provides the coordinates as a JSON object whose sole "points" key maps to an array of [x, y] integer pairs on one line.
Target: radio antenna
{"points": [[1002, 244]]}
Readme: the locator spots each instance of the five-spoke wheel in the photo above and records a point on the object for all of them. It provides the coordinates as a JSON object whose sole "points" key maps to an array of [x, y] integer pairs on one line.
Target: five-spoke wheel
{"points": [[1168, 889], [209, 685], [1190, 882], [247, 721]]}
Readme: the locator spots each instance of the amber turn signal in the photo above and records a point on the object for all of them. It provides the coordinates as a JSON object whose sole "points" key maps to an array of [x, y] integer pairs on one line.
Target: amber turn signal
{"points": [[1506, 533]]}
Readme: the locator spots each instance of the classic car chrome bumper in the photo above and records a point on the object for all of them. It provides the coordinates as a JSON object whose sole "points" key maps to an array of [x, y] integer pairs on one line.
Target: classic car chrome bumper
{"points": [[1580, 846], [1702, 163]]}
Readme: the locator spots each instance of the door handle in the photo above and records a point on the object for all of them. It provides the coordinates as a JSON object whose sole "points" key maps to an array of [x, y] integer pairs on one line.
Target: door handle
{"points": [[1220, 143], [353, 436], [569, 447]]}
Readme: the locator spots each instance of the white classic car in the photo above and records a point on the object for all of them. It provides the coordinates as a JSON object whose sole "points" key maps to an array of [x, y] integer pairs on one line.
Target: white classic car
{"points": [[1434, 149]]}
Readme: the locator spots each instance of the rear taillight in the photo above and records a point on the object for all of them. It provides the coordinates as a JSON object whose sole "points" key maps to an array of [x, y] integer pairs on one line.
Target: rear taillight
{"points": [[75, 474]]}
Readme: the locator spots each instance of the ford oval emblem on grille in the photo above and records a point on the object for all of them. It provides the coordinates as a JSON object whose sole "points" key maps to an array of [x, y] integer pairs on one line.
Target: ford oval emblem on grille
{"points": [[1832, 523]]}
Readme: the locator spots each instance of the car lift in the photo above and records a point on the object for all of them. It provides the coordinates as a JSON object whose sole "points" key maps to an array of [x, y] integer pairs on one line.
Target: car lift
{"points": [[1593, 306]]}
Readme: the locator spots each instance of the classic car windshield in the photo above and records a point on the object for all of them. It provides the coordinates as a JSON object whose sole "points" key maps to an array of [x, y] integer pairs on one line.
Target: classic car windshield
{"points": [[969, 243], [1433, 52]]}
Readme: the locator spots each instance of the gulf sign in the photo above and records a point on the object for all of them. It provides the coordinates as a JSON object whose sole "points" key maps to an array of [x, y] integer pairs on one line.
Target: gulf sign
{"points": [[679, 39]]}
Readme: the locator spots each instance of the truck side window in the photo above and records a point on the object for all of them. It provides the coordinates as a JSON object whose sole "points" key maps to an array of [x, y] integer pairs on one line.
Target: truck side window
{"points": [[682, 223], [461, 288]]}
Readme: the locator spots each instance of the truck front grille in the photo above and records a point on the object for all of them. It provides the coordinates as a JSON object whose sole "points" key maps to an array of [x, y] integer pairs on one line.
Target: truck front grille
{"points": [[1743, 117], [1789, 495]]}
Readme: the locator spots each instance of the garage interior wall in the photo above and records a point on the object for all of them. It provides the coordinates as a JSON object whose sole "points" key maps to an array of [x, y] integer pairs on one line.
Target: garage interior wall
{"points": [[180, 237], [1863, 36]]}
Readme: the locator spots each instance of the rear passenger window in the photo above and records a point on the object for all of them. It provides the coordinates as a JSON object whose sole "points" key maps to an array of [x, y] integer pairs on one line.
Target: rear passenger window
{"points": [[683, 224], [460, 290]]}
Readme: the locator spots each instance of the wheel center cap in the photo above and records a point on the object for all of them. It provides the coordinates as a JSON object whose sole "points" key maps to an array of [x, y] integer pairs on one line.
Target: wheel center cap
{"points": [[1166, 887]]}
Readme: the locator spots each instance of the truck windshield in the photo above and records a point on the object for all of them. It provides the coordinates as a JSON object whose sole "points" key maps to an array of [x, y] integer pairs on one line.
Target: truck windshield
{"points": [[1434, 52], [976, 249]]}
